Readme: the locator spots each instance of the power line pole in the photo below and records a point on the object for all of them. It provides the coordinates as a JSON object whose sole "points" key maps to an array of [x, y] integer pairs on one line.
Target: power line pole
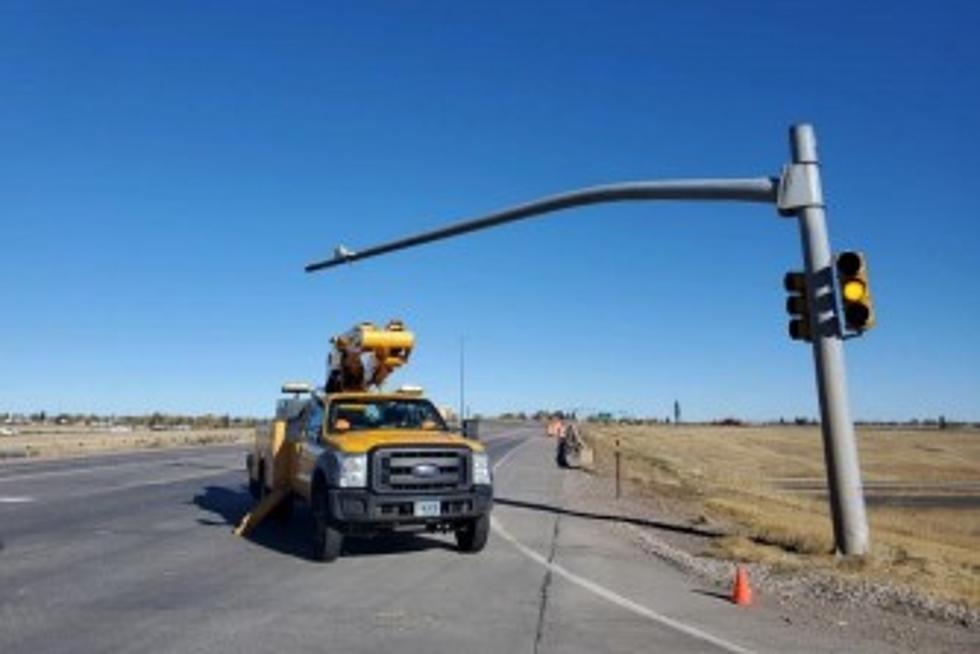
{"points": [[462, 379]]}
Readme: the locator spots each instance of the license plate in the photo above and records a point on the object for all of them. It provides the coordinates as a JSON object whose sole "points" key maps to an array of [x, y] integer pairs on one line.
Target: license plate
{"points": [[428, 509]]}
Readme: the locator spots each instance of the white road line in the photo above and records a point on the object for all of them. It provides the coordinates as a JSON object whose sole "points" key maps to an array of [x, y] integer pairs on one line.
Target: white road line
{"points": [[506, 436], [124, 465], [16, 500], [157, 482], [142, 484], [602, 591], [30, 462], [509, 453]]}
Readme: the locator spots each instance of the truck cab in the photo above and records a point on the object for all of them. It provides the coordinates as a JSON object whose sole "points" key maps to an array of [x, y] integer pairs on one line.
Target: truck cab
{"points": [[369, 463]]}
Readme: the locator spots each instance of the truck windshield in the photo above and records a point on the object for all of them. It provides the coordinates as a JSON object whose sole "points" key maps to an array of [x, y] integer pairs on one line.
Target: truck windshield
{"points": [[385, 413]]}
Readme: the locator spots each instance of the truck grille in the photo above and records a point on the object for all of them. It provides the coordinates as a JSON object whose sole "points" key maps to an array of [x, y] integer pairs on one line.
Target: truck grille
{"points": [[418, 470]]}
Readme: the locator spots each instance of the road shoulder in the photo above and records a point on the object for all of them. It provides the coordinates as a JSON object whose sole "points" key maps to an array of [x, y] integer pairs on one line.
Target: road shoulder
{"points": [[572, 519]]}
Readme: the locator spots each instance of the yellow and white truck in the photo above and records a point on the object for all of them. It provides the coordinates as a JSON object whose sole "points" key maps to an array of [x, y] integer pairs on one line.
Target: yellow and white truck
{"points": [[369, 462]]}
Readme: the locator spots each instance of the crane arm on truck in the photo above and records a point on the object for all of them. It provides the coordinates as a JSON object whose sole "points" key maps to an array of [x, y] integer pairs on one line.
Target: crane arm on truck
{"points": [[363, 357]]}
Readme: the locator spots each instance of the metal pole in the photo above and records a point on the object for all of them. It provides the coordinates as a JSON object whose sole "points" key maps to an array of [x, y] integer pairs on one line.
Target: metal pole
{"points": [[618, 456], [753, 189], [839, 443], [462, 379]]}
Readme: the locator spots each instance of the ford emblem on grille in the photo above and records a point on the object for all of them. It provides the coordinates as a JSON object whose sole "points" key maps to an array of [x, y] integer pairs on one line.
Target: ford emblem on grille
{"points": [[425, 470]]}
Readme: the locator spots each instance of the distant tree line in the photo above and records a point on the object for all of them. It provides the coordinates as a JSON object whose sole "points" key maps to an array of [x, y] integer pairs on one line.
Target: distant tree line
{"points": [[161, 420], [539, 415], [542, 415], [155, 420]]}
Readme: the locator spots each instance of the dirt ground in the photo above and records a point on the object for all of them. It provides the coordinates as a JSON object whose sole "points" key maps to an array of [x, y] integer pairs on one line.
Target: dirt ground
{"points": [[52, 441], [765, 486]]}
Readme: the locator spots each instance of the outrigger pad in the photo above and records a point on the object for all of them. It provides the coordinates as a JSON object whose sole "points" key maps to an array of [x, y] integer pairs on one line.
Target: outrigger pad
{"points": [[261, 510]]}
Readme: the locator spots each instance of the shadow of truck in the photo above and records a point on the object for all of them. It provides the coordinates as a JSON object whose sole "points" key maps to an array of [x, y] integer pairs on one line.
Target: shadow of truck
{"points": [[294, 537]]}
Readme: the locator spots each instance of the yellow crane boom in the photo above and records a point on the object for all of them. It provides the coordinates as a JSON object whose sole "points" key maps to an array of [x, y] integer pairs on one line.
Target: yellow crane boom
{"points": [[364, 356]]}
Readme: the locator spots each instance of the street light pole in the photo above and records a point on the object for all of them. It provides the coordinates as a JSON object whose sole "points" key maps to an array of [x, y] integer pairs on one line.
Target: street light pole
{"points": [[462, 380], [757, 189]]}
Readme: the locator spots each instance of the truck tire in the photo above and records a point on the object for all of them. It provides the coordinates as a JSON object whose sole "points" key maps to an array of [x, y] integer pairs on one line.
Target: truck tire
{"points": [[254, 484], [327, 539], [260, 481], [472, 537], [284, 511]]}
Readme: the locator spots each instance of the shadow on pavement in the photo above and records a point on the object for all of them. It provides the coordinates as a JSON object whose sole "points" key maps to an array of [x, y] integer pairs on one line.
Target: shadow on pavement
{"points": [[640, 522], [294, 536], [726, 597]]}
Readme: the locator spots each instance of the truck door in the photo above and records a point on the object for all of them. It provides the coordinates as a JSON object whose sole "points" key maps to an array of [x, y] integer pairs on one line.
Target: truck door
{"points": [[309, 448]]}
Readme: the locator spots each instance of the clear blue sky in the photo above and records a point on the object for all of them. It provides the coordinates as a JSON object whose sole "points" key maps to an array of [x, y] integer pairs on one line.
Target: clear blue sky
{"points": [[168, 168]]}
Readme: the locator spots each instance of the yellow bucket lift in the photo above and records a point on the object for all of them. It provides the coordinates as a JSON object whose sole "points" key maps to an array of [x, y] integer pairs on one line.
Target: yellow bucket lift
{"points": [[363, 357]]}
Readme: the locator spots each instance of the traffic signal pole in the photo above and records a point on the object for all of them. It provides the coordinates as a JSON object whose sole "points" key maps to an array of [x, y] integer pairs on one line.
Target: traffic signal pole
{"points": [[839, 443], [797, 193]]}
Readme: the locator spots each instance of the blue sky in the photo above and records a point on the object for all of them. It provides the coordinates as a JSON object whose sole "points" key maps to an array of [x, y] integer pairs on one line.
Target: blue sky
{"points": [[168, 169]]}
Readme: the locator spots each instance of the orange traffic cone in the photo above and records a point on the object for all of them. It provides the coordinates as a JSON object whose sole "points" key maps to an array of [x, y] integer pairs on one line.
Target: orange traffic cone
{"points": [[741, 591]]}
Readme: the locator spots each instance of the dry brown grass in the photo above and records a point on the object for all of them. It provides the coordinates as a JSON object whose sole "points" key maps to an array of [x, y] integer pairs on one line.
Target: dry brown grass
{"points": [[765, 482], [73, 441]]}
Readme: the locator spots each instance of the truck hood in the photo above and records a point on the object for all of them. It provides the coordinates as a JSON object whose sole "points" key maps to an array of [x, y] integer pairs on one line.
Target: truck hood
{"points": [[358, 442]]}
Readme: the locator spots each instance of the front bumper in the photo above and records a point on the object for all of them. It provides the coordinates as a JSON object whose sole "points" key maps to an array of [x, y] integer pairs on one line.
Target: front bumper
{"points": [[357, 506]]}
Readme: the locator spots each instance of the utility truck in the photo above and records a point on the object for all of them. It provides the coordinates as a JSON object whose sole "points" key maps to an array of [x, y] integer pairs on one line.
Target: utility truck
{"points": [[368, 462]]}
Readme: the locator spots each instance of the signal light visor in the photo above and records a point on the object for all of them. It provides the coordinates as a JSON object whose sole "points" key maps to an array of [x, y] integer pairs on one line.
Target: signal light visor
{"points": [[850, 263]]}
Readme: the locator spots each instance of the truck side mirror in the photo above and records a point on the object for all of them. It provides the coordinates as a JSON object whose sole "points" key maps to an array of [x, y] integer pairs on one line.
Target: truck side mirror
{"points": [[471, 429]]}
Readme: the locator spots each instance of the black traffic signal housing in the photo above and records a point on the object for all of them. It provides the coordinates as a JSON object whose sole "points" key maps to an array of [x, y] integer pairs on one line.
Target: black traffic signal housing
{"points": [[855, 293], [797, 306]]}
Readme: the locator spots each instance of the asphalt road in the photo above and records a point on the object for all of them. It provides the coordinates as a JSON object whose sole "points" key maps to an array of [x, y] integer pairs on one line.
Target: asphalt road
{"points": [[135, 553]]}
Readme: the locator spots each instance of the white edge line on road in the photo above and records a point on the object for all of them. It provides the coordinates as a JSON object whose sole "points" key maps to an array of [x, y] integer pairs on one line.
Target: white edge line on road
{"points": [[602, 591], [509, 453], [16, 500]]}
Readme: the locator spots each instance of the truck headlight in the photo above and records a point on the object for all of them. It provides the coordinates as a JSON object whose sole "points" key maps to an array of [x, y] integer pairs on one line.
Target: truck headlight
{"points": [[481, 468], [353, 471]]}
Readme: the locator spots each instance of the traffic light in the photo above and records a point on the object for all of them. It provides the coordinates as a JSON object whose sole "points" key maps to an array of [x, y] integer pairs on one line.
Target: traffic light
{"points": [[797, 307], [852, 280]]}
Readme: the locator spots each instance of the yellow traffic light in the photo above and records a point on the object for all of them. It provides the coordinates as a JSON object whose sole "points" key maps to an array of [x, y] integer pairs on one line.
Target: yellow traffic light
{"points": [[797, 306], [852, 279], [854, 290]]}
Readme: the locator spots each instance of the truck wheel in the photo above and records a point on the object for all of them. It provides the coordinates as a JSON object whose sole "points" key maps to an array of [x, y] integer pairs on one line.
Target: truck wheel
{"points": [[254, 487], [472, 537], [284, 511], [327, 539]]}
